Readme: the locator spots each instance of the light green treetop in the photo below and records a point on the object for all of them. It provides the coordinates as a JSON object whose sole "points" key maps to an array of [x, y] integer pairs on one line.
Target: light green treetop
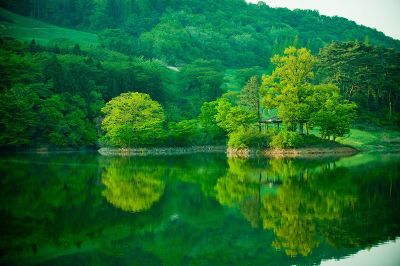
{"points": [[133, 119]]}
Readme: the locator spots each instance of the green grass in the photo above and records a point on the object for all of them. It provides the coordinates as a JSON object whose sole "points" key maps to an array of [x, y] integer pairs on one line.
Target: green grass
{"points": [[26, 29], [377, 139]]}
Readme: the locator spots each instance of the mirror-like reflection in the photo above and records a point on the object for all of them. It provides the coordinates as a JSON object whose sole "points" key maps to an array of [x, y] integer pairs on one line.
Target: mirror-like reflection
{"points": [[131, 189], [194, 209]]}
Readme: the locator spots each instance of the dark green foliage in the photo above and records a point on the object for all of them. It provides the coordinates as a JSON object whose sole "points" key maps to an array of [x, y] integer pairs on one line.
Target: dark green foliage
{"points": [[365, 74], [199, 82], [54, 98], [18, 119], [64, 122], [62, 91], [178, 32]]}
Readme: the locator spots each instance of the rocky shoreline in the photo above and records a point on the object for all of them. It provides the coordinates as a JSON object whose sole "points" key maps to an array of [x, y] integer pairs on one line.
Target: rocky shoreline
{"points": [[161, 151], [241, 153], [299, 152]]}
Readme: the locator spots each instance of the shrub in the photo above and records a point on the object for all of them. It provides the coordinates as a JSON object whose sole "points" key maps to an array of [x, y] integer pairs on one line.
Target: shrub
{"points": [[183, 133], [286, 139], [243, 139]]}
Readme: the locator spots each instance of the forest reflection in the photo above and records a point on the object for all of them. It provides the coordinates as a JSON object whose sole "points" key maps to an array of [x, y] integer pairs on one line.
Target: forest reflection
{"points": [[307, 202], [303, 202], [291, 209]]}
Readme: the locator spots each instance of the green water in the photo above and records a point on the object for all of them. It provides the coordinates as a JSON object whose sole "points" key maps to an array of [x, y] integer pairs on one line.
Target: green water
{"points": [[85, 209]]}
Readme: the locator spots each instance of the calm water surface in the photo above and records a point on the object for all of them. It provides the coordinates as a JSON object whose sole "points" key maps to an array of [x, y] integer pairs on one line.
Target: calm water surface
{"points": [[85, 209]]}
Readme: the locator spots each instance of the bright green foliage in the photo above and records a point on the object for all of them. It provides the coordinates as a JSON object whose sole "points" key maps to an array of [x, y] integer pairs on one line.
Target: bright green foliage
{"points": [[133, 120], [294, 68], [208, 121], [286, 139], [287, 87], [289, 90], [334, 118], [68, 87], [251, 138], [233, 118], [70, 79], [132, 191], [184, 132]]}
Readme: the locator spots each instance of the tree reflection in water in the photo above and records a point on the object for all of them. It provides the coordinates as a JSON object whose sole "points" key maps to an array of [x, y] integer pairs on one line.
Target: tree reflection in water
{"points": [[308, 202], [131, 189], [92, 208]]}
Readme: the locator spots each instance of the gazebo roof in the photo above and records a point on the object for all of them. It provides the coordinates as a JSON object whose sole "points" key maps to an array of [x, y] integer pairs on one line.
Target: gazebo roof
{"points": [[273, 119]]}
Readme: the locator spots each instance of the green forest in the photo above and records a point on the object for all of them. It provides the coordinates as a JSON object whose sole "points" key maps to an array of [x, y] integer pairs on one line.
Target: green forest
{"points": [[135, 73]]}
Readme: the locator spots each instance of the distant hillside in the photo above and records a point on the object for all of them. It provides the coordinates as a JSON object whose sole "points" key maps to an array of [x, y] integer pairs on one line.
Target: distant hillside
{"points": [[181, 31], [26, 29]]}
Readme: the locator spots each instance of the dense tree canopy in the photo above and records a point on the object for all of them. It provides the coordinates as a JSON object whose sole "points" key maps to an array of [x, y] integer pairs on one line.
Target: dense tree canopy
{"points": [[186, 55], [289, 90], [179, 32], [133, 119], [365, 74]]}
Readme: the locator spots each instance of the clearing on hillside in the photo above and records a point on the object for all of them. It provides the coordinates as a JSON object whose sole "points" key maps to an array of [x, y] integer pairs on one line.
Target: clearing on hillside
{"points": [[26, 29]]}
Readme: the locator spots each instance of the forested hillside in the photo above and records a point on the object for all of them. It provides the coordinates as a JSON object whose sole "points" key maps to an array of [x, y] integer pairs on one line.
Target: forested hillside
{"points": [[192, 61], [181, 31]]}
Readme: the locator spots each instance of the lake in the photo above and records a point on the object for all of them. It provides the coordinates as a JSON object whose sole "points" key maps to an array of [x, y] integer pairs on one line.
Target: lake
{"points": [[86, 209]]}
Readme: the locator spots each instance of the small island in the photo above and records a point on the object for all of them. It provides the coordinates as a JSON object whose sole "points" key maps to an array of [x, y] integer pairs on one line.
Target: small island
{"points": [[277, 116]]}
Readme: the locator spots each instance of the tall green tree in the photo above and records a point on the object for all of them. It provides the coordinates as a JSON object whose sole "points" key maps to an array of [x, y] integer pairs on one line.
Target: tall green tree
{"points": [[132, 120], [208, 123], [366, 74], [298, 101], [334, 118], [286, 88], [233, 118], [250, 98]]}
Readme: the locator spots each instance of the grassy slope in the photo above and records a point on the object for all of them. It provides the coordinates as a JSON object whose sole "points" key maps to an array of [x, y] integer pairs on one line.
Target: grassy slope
{"points": [[26, 29], [372, 140]]}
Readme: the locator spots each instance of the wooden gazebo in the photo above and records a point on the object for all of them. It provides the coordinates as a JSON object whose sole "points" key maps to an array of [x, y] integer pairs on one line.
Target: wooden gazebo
{"points": [[274, 121]]}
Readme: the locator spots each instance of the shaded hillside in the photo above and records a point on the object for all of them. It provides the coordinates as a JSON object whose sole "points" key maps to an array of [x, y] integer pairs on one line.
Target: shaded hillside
{"points": [[181, 31], [26, 29]]}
